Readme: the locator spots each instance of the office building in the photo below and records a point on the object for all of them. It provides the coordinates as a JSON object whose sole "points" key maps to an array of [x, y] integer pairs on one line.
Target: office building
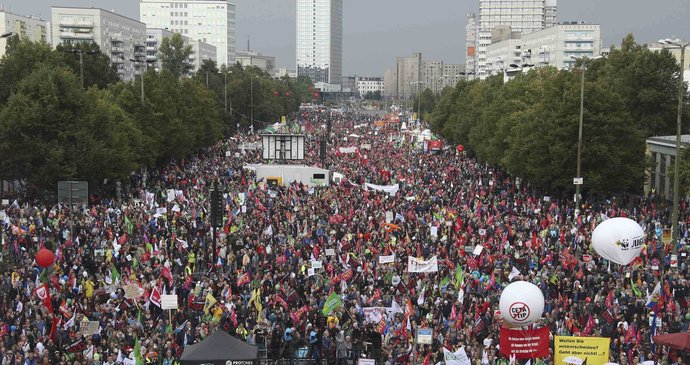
{"points": [[201, 51], [471, 39], [402, 81], [552, 46], [320, 42], [26, 27], [120, 38], [524, 16], [348, 84], [366, 85], [208, 21], [256, 59]]}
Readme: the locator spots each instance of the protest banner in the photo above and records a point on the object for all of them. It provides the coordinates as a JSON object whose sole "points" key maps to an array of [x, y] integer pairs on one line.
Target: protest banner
{"points": [[594, 350], [386, 259], [168, 301], [456, 358], [417, 265], [525, 344]]}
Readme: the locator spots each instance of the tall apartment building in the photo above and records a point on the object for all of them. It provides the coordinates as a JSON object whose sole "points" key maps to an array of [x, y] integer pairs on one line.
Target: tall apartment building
{"points": [[208, 21], [471, 39], [202, 51], [26, 27], [437, 75], [120, 38], [320, 42], [523, 16], [552, 46], [403, 80]]}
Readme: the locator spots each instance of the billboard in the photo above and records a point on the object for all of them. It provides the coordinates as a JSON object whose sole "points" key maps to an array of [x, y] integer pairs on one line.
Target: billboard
{"points": [[283, 146]]}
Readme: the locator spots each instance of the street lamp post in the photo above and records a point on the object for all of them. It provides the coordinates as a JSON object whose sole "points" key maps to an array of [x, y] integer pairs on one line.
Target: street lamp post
{"points": [[81, 63], [251, 109], [676, 171], [583, 69], [145, 64]]}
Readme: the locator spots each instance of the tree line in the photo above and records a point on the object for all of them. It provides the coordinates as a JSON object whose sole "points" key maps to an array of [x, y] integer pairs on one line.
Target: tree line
{"points": [[53, 130], [529, 125]]}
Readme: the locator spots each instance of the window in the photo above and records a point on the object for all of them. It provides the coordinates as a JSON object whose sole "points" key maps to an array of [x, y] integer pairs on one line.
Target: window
{"points": [[319, 176]]}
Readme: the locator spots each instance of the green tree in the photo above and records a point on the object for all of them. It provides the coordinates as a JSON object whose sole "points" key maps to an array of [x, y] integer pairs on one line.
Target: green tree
{"points": [[21, 58], [98, 69], [175, 54]]}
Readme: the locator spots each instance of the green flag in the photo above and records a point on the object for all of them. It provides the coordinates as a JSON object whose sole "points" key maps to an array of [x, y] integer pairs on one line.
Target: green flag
{"points": [[114, 273], [637, 291], [333, 302], [130, 226], [459, 277], [445, 282], [138, 359]]}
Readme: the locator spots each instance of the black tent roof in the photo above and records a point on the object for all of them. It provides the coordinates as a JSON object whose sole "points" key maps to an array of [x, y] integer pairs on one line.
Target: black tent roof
{"points": [[218, 348]]}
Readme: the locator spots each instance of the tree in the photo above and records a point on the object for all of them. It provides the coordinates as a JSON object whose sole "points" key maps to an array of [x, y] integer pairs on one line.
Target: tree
{"points": [[22, 57], [98, 69], [53, 130], [373, 95], [175, 54]]}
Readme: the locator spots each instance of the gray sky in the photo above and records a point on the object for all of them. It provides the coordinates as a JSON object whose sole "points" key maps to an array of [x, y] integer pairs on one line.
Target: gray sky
{"points": [[376, 31]]}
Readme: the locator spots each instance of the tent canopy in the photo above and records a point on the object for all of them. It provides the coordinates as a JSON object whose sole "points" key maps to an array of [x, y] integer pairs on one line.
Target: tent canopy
{"points": [[218, 349]]}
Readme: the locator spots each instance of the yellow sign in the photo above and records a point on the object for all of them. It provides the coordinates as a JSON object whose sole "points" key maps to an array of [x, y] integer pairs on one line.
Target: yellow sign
{"points": [[666, 235], [577, 350], [283, 119]]}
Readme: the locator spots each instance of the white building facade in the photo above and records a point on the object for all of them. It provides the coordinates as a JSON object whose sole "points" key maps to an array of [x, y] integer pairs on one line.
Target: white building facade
{"points": [[320, 42], [367, 85], [253, 58], [208, 21], [26, 27], [120, 38], [154, 38], [552, 46], [437, 75], [523, 16]]}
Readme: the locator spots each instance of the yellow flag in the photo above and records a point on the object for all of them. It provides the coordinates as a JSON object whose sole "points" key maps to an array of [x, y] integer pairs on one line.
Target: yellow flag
{"points": [[210, 302]]}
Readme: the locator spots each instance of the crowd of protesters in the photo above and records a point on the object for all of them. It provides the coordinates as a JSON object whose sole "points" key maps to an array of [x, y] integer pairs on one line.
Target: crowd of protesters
{"points": [[117, 256]]}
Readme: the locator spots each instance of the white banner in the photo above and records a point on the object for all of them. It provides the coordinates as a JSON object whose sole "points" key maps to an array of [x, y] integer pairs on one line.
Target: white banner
{"points": [[347, 149], [386, 259], [456, 358], [89, 328], [168, 301], [373, 314], [170, 195], [385, 188], [416, 265]]}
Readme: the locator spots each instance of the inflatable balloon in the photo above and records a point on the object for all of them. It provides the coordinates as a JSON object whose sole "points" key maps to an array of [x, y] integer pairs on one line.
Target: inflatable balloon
{"points": [[521, 303], [460, 148], [45, 257], [619, 240]]}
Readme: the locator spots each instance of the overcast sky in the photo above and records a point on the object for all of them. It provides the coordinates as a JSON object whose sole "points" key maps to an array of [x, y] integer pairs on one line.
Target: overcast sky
{"points": [[376, 31]]}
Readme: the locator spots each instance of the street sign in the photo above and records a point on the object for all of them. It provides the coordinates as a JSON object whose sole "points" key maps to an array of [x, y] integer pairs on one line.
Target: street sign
{"points": [[577, 181], [73, 192]]}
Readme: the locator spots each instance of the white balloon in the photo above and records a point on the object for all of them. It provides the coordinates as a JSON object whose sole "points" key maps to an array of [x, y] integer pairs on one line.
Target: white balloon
{"points": [[619, 240], [521, 303]]}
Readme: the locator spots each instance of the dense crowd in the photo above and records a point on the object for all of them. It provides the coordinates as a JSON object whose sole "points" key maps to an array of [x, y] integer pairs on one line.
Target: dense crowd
{"points": [[117, 256]]}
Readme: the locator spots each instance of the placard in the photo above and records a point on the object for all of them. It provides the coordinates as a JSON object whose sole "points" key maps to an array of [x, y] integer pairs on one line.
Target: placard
{"points": [[330, 252], [363, 361], [311, 271], [525, 344], [316, 264], [168, 301], [89, 328], [478, 250], [658, 323], [386, 259], [593, 349], [482, 232], [425, 336]]}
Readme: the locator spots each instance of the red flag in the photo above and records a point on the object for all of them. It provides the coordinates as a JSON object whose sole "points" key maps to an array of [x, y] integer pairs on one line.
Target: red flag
{"points": [[167, 274], [630, 334], [65, 310], [155, 297], [243, 279], [54, 327], [453, 314], [427, 359], [43, 293]]}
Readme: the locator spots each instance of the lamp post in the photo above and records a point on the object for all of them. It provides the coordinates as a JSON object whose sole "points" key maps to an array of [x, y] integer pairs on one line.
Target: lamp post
{"points": [[81, 61], [145, 64], [578, 182], [676, 171], [251, 109]]}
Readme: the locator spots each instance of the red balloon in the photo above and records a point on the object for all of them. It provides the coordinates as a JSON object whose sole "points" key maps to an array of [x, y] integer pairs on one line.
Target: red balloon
{"points": [[588, 299], [460, 148], [275, 93], [45, 257]]}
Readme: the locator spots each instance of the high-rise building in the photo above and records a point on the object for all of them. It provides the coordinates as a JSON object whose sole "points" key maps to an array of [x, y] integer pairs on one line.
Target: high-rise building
{"points": [[320, 41], [471, 45], [437, 75], [208, 21], [26, 27], [405, 78], [524, 16], [120, 38]]}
